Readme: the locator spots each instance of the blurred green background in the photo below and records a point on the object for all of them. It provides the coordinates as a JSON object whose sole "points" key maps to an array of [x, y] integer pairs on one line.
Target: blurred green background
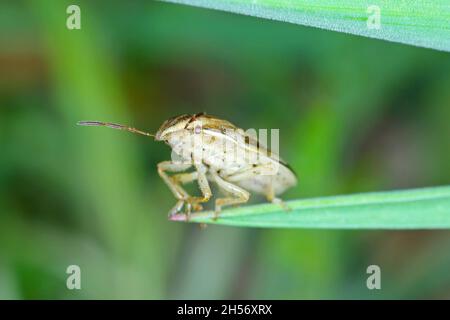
{"points": [[354, 114]]}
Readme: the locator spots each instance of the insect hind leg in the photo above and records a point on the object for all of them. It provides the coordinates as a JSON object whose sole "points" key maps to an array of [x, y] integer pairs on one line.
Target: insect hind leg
{"points": [[270, 196], [268, 170]]}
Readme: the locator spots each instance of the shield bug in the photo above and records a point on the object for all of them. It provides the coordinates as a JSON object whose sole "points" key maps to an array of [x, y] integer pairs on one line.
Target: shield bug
{"points": [[220, 153]]}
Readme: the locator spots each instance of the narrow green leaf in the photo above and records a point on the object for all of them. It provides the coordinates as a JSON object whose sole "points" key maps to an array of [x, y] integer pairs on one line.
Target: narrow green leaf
{"points": [[426, 208], [420, 23]]}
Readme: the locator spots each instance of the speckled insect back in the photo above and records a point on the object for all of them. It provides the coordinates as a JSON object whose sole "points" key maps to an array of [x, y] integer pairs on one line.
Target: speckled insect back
{"points": [[220, 153]]}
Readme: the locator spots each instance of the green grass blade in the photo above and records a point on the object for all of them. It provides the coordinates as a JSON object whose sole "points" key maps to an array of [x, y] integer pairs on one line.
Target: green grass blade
{"points": [[420, 23], [426, 208]]}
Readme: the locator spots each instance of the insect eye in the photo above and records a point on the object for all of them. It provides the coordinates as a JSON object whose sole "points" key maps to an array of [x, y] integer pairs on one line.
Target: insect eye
{"points": [[197, 129]]}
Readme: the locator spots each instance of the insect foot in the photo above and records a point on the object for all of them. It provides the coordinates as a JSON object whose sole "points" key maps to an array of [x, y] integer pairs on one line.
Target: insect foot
{"points": [[177, 208], [282, 204], [197, 207]]}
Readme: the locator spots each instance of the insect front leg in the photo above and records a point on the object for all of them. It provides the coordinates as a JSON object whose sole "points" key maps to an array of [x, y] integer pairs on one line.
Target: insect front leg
{"points": [[239, 195], [203, 185], [173, 185], [183, 178]]}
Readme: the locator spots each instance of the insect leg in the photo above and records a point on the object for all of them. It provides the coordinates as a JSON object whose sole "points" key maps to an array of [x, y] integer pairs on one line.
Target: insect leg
{"points": [[183, 178], [239, 195], [176, 189], [267, 169], [270, 195], [203, 185]]}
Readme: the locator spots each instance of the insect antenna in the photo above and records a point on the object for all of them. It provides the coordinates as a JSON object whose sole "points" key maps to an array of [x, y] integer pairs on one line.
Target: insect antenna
{"points": [[114, 126]]}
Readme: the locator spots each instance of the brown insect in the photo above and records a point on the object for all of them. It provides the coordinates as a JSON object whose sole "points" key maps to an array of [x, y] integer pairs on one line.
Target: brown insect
{"points": [[205, 143]]}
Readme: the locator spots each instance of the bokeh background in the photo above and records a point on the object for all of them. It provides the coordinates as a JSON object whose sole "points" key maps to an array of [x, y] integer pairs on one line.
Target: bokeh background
{"points": [[354, 114]]}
